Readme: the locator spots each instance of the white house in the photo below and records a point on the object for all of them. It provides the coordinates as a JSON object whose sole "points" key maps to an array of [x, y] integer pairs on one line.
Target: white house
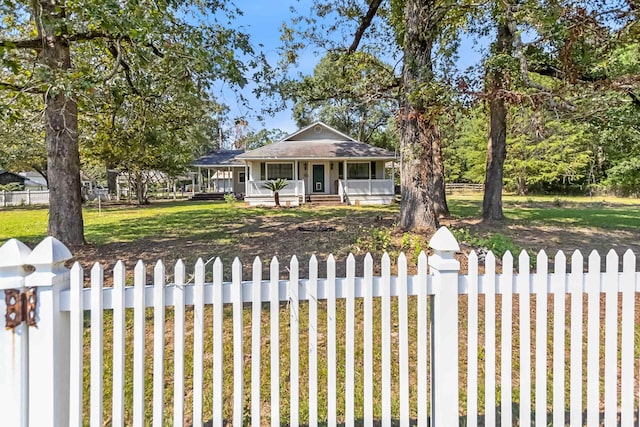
{"points": [[318, 162]]}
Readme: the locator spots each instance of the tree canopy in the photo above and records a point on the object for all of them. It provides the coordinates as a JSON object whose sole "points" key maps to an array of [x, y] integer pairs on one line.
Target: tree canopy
{"points": [[109, 59]]}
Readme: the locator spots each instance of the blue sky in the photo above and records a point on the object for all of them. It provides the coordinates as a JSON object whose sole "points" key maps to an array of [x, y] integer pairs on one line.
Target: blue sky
{"points": [[263, 20]]}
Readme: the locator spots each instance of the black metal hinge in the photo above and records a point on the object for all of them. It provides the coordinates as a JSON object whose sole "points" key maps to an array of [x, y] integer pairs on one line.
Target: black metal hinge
{"points": [[21, 307]]}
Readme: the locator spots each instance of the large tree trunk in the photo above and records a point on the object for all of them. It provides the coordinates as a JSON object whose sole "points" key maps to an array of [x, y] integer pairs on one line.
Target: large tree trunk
{"points": [[439, 193], [497, 143], [112, 178], [61, 135], [496, 153], [419, 133]]}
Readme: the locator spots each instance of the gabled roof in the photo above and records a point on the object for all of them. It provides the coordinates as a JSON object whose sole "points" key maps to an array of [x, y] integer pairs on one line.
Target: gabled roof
{"points": [[317, 141], [220, 158]]}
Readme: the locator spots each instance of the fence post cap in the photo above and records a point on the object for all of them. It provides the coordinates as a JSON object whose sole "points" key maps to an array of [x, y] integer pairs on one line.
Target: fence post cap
{"points": [[444, 245], [13, 253], [13, 258], [444, 241], [48, 259], [49, 251]]}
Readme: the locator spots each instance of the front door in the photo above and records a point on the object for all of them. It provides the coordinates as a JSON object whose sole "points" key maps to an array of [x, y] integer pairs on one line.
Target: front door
{"points": [[318, 178]]}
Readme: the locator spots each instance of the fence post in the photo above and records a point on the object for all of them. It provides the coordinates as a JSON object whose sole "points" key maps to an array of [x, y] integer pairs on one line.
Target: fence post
{"points": [[444, 362], [49, 341], [14, 350]]}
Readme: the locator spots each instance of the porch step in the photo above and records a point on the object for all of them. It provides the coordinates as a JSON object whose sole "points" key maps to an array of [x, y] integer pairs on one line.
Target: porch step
{"points": [[324, 199]]}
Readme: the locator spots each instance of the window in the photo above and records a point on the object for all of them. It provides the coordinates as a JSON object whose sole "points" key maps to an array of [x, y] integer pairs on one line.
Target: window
{"points": [[358, 171], [279, 170], [340, 170], [241, 177]]}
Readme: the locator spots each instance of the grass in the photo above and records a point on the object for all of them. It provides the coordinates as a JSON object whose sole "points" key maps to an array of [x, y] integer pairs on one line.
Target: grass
{"points": [[607, 213]]}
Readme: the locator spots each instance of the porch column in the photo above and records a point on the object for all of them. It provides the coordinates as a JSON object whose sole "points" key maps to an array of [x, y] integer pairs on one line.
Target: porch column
{"points": [[208, 180], [393, 178], [346, 184], [246, 179], [230, 179], [370, 178]]}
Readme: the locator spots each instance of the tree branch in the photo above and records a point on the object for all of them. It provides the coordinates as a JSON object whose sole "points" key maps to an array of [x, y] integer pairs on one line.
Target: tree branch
{"points": [[118, 61], [16, 88], [364, 24], [524, 65], [117, 53]]}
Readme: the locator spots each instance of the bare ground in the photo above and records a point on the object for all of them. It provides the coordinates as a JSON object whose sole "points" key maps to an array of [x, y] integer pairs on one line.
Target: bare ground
{"points": [[285, 236]]}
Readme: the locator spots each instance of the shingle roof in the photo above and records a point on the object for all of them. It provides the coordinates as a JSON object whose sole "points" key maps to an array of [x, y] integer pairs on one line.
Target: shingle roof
{"points": [[220, 158], [318, 141]]}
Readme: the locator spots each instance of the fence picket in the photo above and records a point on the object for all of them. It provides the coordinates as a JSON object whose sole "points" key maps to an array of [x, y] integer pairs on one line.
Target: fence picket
{"points": [[490, 339], [198, 342], [541, 290], [472, 342], [238, 353], [313, 341], [350, 376], [256, 324], [138, 343], [117, 418], [274, 303], [403, 340], [386, 340], [331, 341], [627, 347], [158, 344], [294, 324], [611, 341], [593, 340], [559, 303], [368, 339], [524, 296], [423, 398], [576, 288], [506, 372], [218, 317], [178, 342], [76, 347], [96, 345]]}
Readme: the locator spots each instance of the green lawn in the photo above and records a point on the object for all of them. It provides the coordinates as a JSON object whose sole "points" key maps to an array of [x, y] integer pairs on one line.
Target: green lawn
{"points": [[208, 220], [608, 212]]}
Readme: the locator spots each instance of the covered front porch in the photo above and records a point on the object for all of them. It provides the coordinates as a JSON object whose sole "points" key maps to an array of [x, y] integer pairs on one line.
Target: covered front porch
{"points": [[365, 182], [218, 173]]}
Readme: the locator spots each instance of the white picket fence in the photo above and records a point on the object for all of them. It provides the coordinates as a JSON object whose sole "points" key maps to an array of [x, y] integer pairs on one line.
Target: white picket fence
{"points": [[350, 350], [24, 198]]}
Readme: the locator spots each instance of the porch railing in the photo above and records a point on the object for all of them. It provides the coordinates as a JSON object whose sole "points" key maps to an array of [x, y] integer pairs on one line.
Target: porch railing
{"points": [[367, 186], [293, 188]]}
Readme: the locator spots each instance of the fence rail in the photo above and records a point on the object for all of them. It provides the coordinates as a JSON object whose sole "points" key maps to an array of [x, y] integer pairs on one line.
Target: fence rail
{"points": [[533, 348], [452, 187]]}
